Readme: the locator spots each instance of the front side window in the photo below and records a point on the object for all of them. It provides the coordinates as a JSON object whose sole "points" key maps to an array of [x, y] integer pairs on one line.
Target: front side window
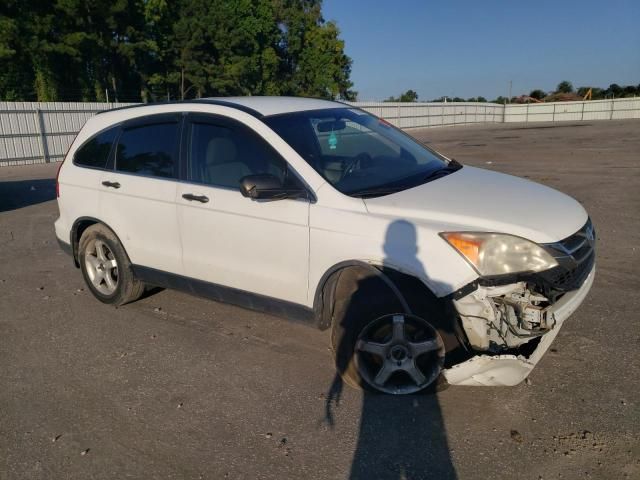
{"points": [[95, 152], [150, 150], [222, 155], [359, 154]]}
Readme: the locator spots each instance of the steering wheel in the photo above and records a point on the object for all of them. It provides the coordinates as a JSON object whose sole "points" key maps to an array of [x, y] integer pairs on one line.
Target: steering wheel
{"points": [[356, 161]]}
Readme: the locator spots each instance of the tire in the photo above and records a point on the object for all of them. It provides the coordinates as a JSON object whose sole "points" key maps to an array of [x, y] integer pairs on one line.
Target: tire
{"points": [[106, 267], [364, 304]]}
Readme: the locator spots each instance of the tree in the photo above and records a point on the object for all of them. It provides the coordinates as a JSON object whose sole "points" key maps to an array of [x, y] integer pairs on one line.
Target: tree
{"points": [[158, 49], [564, 87], [408, 96], [313, 58], [615, 89], [537, 94]]}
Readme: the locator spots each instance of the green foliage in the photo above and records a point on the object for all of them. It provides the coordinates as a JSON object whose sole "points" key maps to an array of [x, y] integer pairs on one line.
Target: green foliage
{"points": [[537, 94], [408, 96], [169, 49], [614, 89], [564, 87]]}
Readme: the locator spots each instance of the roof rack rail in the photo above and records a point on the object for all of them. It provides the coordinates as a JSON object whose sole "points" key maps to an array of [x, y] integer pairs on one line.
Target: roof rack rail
{"points": [[222, 103]]}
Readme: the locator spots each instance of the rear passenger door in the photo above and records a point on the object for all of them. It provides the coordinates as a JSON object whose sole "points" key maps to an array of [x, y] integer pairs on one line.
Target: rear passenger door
{"points": [[258, 246], [138, 194]]}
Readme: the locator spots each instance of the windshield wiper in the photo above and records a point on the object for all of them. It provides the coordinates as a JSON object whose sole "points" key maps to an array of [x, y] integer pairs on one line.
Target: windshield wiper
{"points": [[375, 192], [452, 166]]}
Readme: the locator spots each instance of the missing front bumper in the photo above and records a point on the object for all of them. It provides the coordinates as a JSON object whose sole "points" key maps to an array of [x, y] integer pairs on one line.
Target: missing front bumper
{"points": [[509, 370]]}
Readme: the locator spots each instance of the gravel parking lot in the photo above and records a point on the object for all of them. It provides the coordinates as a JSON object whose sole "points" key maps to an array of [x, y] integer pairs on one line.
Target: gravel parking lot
{"points": [[175, 386]]}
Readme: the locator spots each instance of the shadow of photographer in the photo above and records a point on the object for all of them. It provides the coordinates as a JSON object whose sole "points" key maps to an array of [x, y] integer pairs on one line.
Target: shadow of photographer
{"points": [[400, 437]]}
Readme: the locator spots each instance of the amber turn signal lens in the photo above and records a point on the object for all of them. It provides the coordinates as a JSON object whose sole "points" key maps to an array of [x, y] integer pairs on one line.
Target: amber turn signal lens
{"points": [[469, 247]]}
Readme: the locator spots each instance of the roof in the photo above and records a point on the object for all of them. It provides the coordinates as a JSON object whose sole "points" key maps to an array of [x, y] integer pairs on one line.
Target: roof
{"points": [[256, 106], [277, 105]]}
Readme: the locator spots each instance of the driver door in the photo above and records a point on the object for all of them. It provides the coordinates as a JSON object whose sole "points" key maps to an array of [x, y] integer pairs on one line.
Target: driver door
{"points": [[230, 240]]}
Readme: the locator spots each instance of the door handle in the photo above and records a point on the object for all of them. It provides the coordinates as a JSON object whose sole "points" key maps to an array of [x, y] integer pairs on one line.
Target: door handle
{"points": [[195, 198], [111, 184]]}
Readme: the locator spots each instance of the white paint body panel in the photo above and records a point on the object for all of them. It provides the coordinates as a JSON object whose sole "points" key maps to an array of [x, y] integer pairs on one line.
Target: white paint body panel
{"points": [[261, 247], [412, 247], [475, 199], [79, 197], [142, 212], [267, 105]]}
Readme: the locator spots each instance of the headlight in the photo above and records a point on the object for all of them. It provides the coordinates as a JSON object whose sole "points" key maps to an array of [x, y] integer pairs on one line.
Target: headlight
{"points": [[497, 254]]}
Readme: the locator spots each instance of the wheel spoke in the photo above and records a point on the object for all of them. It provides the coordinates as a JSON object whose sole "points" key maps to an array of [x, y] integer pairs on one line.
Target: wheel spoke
{"points": [[111, 264], [100, 250], [374, 348], [98, 276], [93, 261], [385, 372], [427, 346], [111, 284], [415, 373], [398, 327]]}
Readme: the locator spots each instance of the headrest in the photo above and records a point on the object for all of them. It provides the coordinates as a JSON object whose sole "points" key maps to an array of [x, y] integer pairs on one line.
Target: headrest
{"points": [[221, 150]]}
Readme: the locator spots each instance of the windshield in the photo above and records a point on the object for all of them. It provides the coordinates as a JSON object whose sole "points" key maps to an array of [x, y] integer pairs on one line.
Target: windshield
{"points": [[359, 154]]}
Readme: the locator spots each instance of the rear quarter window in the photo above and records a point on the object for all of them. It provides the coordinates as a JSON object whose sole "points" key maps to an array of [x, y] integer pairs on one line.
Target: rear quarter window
{"points": [[95, 152]]}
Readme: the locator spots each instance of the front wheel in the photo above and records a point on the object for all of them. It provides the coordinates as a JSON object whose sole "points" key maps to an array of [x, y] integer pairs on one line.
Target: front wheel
{"points": [[106, 268], [396, 353]]}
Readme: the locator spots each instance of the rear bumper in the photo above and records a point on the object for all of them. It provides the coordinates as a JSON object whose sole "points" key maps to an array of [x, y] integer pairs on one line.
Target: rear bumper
{"points": [[66, 248], [509, 370], [62, 236]]}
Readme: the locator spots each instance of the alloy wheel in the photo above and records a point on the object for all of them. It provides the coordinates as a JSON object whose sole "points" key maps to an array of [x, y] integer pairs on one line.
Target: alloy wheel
{"points": [[399, 354], [102, 267]]}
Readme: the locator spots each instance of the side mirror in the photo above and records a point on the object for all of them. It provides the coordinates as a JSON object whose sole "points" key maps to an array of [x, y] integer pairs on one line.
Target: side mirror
{"points": [[265, 186]]}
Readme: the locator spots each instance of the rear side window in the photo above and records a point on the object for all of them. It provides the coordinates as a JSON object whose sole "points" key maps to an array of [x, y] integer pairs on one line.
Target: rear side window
{"points": [[95, 152], [150, 150]]}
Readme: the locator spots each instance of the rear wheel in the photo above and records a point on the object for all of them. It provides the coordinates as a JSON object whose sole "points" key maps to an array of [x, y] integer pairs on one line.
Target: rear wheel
{"points": [[106, 267]]}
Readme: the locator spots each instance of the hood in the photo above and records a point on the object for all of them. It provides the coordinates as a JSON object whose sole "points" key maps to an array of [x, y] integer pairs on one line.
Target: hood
{"points": [[482, 200]]}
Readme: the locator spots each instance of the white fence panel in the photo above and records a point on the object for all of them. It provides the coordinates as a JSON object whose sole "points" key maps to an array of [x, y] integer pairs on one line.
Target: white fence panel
{"points": [[40, 132], [416, 115], [626, 108], [621, 108]]}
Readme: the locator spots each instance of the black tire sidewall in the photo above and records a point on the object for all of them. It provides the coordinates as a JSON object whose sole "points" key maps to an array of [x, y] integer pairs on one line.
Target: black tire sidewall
{"points": [[98, 233]]}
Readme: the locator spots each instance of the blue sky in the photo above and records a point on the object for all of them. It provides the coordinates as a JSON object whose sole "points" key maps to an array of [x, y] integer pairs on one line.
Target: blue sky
{"points": [[467, 48]]}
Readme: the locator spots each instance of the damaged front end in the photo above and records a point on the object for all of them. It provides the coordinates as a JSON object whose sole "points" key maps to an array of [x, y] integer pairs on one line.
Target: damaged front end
{"points": [[502, 319], [509, 326]]}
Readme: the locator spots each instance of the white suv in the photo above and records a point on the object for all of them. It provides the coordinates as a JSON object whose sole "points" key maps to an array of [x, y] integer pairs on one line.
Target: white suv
{"points": [[424, 269]]}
